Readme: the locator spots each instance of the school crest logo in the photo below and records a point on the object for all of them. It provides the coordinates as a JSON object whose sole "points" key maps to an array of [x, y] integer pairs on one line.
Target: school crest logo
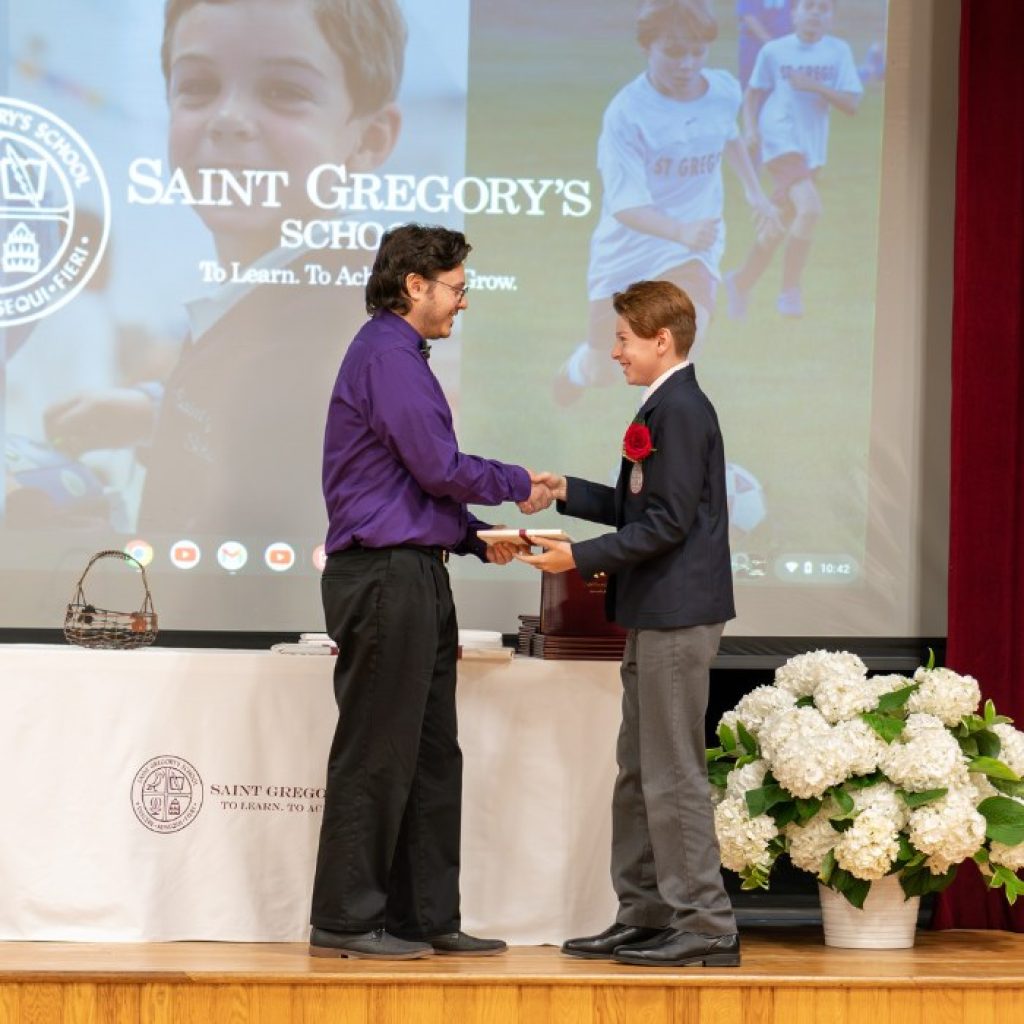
{"points": [[54, 212], [167, 794]]}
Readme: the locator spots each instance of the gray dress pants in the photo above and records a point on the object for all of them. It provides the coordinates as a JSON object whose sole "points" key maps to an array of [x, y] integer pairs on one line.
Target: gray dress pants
{"points": [[666, 867]]}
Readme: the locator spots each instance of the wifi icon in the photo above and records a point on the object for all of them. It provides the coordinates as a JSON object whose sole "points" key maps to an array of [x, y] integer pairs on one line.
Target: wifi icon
{"points": [[792, 566]]}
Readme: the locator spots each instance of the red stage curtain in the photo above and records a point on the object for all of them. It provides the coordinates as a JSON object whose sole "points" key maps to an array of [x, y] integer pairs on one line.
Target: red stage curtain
{"points": [[986, 551]]}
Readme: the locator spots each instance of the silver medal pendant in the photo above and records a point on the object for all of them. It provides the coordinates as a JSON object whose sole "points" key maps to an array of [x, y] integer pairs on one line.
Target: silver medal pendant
{"points": [[636, 478]]}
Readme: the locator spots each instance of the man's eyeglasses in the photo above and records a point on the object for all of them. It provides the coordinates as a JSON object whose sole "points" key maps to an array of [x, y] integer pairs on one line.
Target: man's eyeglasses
{"points": [[460, 293]]}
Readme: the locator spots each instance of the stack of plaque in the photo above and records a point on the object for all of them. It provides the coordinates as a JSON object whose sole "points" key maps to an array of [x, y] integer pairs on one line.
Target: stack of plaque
{"points": [[528, 627], [568, 648], [572, 624]]}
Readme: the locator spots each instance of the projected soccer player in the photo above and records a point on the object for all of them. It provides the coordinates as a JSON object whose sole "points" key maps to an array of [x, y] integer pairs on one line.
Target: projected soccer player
{"points": [[660, 156], [795, 83], [275, 87], [759, 21]]}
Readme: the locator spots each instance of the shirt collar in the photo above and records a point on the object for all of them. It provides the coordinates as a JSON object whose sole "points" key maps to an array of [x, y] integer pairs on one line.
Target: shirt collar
{"points": [[654, 385], [387, 317], [205, 312]]}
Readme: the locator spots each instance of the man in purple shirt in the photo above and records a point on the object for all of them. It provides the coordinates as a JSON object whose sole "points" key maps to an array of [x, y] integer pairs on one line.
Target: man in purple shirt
{"points": [[396, 486]]}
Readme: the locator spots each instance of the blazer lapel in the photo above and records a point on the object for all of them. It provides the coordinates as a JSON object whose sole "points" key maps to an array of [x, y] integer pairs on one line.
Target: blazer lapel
{"points": [[678, 379], [687, 375]]}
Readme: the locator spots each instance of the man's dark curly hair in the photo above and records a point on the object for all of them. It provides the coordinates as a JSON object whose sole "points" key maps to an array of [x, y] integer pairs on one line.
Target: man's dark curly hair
{"points": [[424, 249]]}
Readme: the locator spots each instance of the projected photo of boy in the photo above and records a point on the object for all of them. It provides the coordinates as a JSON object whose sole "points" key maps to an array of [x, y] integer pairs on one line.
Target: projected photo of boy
{"points": [[660, 155], [46, 363], [260, 92]]}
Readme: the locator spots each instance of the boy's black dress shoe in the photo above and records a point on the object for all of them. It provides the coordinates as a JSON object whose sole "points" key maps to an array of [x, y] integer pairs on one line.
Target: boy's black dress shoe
{"points": [[600, 947], [683, 949], [461, 944], [375, 945]]}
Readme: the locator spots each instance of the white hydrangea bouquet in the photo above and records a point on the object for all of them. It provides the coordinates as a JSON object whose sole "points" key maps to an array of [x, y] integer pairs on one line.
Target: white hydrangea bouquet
{"points": [[856, 778]]}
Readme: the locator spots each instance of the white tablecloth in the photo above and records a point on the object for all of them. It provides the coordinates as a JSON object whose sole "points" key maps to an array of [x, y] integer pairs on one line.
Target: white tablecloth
{"points": [[176, 794]]}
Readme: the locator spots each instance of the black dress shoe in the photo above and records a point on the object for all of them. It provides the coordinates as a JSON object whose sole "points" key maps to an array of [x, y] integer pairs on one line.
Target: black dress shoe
{"points": [[461, 944], [683, 949], [600, 947], [375, 945]]}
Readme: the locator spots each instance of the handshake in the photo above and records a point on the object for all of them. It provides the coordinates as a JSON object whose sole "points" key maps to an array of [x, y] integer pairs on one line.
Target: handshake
{"points": [[557, 555], [545, 489]]}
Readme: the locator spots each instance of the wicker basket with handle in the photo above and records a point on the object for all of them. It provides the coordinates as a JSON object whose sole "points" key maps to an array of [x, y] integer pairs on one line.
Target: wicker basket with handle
{"points": [[90, 626]]}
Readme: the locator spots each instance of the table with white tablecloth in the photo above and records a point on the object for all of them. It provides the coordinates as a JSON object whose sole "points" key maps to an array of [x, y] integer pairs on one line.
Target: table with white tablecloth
{"points": [[177, 794]]}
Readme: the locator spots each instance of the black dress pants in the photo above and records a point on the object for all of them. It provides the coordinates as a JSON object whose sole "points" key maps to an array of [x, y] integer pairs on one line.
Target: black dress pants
{"points": [[389, 842]]}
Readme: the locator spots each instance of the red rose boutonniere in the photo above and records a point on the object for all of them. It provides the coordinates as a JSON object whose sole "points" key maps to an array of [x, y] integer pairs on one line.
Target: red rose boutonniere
{"points": [[637, 444]]}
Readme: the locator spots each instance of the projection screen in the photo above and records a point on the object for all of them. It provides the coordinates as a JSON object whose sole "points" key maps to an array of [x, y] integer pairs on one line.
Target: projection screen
{"points": [[191, 200]]}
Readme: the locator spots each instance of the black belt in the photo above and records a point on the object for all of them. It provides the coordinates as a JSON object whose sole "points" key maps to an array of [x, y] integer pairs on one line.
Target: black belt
{"points": [[441, 554]]}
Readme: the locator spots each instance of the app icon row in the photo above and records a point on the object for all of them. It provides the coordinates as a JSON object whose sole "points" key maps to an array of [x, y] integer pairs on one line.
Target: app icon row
{"points": [[232, 555]]}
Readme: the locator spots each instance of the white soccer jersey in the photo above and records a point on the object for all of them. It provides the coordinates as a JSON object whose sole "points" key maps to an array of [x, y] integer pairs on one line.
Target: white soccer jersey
{"points": [[666, 153], [793, 120]]}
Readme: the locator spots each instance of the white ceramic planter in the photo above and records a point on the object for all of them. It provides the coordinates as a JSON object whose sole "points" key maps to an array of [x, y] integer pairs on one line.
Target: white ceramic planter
{"points": [[887, 920]]}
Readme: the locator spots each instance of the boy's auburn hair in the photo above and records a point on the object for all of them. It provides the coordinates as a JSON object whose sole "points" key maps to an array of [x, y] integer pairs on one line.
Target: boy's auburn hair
{"points": [[694, 18], [648, 306], [368, 36]]}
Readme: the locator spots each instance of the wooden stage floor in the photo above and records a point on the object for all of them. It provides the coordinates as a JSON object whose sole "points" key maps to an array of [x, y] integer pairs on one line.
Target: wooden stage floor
{"points": [[788, 977]]}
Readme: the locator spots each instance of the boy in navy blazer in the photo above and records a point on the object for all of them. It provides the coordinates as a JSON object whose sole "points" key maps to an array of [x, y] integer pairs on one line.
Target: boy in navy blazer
{"points": [[670, 585]]}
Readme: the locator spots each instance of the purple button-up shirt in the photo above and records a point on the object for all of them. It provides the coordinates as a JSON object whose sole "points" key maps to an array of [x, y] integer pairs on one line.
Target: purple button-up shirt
{"points": [[393, 472]]}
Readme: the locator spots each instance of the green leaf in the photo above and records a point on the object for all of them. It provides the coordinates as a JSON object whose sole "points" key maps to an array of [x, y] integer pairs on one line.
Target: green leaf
{"points": [[988, 742], [1012, 885], [864, 781], [782, 814], [969, 746], [1008, 787], [748, 741], [761, 800], [896, 699], [854, 889], [919, 880], [806, 809], [727, 736], [841, 824], [828, 865], [980, 856], [805, 702], [920, 799], [754, 877], [912, 882], [993, 769], [843, 799], [1004, 819], [886, 726], [992, 717]]}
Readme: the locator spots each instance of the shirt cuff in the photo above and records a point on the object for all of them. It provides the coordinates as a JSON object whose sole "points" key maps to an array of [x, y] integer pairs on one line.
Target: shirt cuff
{"points": [[471, 544], [521, 486]]}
